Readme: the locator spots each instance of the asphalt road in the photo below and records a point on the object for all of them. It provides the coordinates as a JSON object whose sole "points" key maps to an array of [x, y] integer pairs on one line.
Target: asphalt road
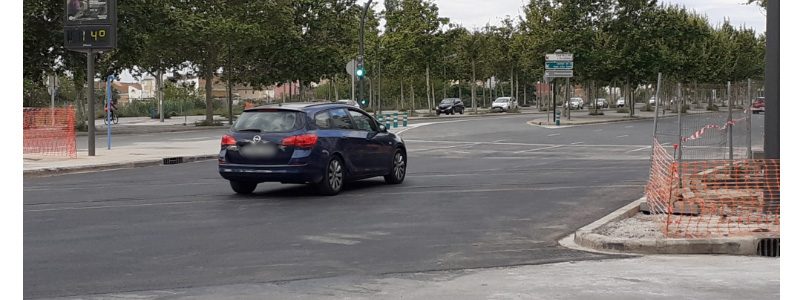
{"points": [[480, 193]]}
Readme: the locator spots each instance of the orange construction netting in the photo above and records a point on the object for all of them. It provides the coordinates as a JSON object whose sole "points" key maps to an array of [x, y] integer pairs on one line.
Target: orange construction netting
{"points": [[714, 198], [49, 131]]}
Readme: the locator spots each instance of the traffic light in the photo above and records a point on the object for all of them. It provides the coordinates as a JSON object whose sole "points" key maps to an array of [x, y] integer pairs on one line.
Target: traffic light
{"points": [[360, 71], [364, 102]]}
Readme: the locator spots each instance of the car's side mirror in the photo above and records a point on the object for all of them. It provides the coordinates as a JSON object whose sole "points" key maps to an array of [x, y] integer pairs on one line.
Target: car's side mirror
{"points": [[382, 128]]}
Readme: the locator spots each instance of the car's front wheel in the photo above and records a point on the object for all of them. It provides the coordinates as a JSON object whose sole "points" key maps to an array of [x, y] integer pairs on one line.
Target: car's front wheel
{"points": [[243, 188], [333, 178], [398, 172]]}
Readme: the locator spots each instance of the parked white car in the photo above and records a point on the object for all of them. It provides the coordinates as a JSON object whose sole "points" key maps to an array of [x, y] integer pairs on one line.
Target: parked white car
{"points": [[621, 102], [504, 103], [349, 102]]}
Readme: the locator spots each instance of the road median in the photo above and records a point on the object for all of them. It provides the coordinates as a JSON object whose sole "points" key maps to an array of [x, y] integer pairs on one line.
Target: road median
{"points": [[592, 237]]}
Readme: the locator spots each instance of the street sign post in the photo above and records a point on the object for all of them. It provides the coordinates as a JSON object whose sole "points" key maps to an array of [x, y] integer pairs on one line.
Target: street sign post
{"points": [[90, 26], [558, 73], [558, 57], [558, 65]]}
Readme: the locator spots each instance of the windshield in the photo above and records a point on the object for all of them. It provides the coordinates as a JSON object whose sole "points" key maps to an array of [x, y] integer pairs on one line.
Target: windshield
{"points": [[269, 121], [448, 101], [501, 100]]}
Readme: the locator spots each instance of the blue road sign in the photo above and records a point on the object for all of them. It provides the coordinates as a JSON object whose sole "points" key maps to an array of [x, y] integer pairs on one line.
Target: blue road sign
{"points": [[558, 65]]}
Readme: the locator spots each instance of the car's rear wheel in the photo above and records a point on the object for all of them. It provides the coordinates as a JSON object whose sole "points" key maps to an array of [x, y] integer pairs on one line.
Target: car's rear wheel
{"points": [[461, 112], [243, 188], [398, 172], [333, 179]]}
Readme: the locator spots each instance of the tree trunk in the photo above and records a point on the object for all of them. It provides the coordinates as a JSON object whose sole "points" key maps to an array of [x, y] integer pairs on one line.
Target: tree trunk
{"points": [[402, 95], [335, 88], [209, 97], [472, 86], [433, 97], [428, 85], [413, 99], [291, 90], [230, 102]]}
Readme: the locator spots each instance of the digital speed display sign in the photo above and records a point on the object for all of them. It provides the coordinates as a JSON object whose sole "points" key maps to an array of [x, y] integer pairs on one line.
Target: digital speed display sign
{"points": [[90, 25]]}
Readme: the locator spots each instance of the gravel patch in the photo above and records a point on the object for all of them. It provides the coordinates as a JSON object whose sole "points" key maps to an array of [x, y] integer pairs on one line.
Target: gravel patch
{"points": [[640, 226]]}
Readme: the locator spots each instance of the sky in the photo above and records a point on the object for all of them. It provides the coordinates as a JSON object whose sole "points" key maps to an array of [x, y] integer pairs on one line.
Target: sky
{"points": [[476, 13]]}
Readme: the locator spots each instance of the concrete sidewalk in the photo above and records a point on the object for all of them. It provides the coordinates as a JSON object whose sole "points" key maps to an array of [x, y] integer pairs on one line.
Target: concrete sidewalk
{"points": [[142, 154], [649, 277]]}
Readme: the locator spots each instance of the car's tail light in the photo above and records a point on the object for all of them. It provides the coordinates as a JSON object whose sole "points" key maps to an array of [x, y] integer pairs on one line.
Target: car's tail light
{"points": [[300, 141], [227, 140]]}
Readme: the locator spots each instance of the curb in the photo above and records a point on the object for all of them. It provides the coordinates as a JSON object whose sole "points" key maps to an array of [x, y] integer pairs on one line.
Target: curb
{"points": [[145, 129], [586, 237], [115, 166]]}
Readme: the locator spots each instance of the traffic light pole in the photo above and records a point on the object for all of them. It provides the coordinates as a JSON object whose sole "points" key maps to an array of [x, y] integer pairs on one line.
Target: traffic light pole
{"points": [[360, 61]]}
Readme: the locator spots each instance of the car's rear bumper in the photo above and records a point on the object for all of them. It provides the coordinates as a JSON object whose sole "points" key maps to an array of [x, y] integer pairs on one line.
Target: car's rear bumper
{"points": [[758, 109], [279, 173]]}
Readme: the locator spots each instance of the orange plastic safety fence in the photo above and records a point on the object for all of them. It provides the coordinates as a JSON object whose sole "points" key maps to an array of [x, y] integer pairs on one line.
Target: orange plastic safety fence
{"points": [[49, 131], [714, 198]]}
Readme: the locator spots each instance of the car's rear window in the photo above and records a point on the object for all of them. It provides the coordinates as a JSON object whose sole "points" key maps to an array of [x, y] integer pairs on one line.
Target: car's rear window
{"points": [[501, 100], [269, 121]]}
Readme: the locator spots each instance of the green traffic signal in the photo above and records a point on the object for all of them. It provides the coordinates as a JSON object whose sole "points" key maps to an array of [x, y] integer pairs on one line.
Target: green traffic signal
{"points": [[360, 72], [364, 102]]}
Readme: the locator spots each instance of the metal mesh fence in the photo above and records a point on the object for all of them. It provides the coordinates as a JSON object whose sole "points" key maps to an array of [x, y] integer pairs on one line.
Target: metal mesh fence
{"points": [[714, 198], [49, 131]]}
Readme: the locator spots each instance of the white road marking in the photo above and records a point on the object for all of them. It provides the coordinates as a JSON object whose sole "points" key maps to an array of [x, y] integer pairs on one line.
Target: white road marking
{"points": [[629, 126], [622, 136], [457, 151], [537, 149], [553, 134], [521, 144], [330, 240], [576, 143], [555, 188], [640, 149]]}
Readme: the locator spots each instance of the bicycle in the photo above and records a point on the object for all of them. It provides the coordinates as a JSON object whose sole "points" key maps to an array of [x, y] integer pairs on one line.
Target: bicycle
{"points": [[114, 118]]}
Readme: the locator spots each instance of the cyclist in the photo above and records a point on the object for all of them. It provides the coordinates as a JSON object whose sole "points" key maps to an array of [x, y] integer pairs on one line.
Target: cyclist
{"points": [[114, 116]]}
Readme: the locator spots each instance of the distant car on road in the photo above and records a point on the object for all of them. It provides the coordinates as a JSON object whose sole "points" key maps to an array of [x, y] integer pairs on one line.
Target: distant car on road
{"points": [[504, 104], [576, 103], [759, 105], [324, 144], [450, 106], [601, 103], [349, 102], [620, 102], [652, 101]]}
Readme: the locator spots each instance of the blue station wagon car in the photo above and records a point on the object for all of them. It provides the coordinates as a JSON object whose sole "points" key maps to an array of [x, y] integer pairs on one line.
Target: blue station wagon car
{"points": [[324, 144]]}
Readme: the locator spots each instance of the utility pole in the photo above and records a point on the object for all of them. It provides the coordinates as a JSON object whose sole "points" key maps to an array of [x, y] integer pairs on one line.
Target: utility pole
{"points": [[772, 141], [90, 96]]}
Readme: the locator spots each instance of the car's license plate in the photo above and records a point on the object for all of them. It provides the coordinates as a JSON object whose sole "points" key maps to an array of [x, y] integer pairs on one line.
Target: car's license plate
{"points": [[258, 151]]}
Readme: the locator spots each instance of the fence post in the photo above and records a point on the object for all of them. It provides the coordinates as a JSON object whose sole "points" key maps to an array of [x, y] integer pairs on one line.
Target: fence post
{"points": [[729, 123], [748, 115], [679, 155], [395, 120], [405, 119], [655, 119]]}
